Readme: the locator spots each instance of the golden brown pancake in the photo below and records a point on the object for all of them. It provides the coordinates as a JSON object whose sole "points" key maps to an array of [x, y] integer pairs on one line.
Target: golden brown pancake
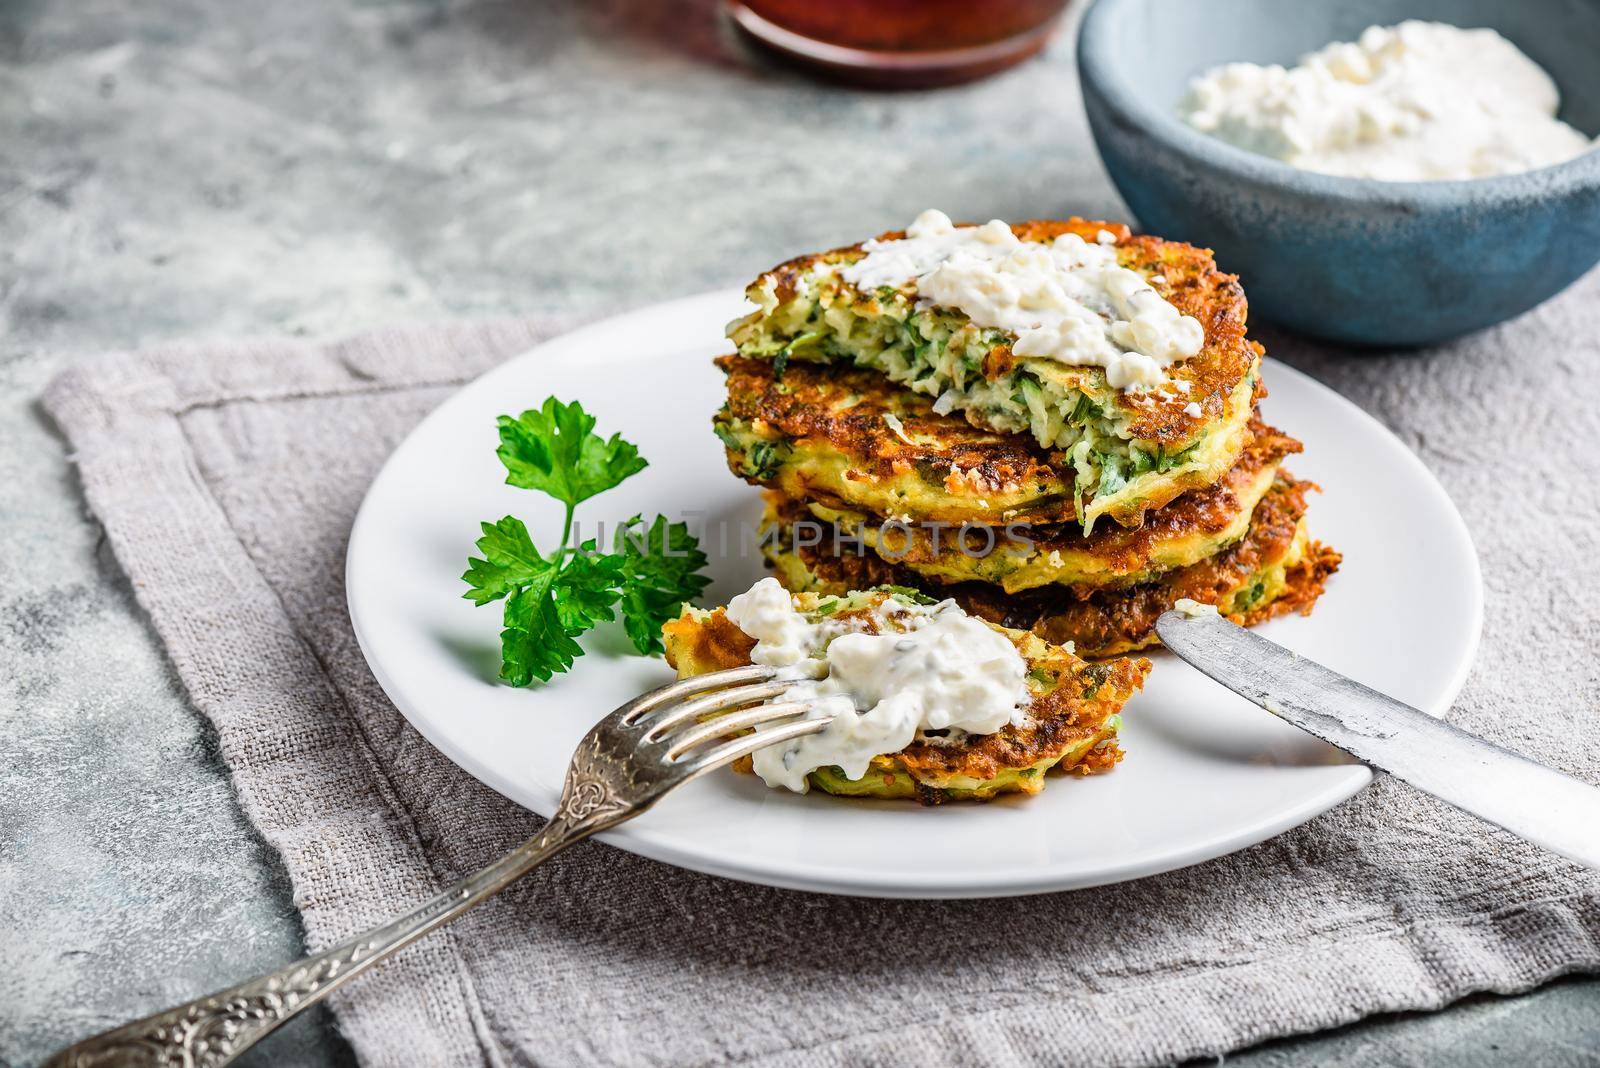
{"points": [[1128, 449], [1072, 716], [1022, 556], [1274, 569], [854, 437]]}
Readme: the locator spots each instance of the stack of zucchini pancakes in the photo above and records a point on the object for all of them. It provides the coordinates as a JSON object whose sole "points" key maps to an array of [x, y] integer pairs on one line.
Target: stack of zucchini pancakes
{"points": [[1053, 423]]}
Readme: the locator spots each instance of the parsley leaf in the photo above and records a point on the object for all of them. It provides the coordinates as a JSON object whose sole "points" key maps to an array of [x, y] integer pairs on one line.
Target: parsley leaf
{"points": [[587, 588], [509, 561], [554, 449], [661, 564], [535, 643], [550, 600]]}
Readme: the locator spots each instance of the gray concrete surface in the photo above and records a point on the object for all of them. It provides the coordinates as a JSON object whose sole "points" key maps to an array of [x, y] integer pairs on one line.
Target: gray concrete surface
{"points": [[175, 169]]}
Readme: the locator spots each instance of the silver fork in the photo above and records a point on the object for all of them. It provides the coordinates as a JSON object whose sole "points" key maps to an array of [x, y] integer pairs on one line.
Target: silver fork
{"points": [[630, 760]]}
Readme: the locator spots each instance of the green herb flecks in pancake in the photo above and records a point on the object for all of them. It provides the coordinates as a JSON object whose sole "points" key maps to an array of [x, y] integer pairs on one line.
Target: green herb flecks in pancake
{"points": [[1124, 448]]}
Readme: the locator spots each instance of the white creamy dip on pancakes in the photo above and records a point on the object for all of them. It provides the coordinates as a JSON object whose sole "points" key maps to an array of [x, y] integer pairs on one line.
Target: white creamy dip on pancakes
{"points": [[928, 667], [1068, 300]]}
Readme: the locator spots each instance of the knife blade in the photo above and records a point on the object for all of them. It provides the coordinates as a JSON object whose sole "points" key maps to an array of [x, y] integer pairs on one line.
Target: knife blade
{"points": [[1528, 799]]}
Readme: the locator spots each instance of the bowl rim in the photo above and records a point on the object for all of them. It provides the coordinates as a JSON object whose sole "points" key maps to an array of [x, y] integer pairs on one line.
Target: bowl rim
{"points": [[1098, 74]]}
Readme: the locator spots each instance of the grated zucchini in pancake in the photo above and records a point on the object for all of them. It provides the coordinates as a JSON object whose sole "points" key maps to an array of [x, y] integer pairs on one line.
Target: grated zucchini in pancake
{"points": [[1072, 721], [1019, 556], [852, 436], [1274, 569], [1125, 449]]}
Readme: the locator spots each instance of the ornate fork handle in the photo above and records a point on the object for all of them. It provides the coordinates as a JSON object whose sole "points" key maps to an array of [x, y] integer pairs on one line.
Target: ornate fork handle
{"points": [[211, 1031], [630, 760]]}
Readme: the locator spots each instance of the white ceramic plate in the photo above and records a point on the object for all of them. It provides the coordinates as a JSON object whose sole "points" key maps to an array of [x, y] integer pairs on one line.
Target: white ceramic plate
{"points": [[1206, 773]]}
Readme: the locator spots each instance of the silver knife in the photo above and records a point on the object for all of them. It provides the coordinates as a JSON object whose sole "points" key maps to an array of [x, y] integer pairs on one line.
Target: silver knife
{"points": [[1528, 799]]}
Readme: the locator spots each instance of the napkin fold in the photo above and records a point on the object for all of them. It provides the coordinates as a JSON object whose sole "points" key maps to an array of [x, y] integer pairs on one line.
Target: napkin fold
{"points": [[227, 476]]}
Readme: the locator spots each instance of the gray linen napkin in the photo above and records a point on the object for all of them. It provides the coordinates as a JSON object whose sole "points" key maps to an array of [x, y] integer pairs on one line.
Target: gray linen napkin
{"points": [[227, 477]]}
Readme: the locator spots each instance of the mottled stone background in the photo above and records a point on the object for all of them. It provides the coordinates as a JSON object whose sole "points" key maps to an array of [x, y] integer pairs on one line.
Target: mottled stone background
{"points": [[172, 168]]}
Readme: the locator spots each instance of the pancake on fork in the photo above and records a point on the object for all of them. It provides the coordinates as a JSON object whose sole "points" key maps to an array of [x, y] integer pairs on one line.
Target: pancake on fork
{"points": [[1070, 721]]}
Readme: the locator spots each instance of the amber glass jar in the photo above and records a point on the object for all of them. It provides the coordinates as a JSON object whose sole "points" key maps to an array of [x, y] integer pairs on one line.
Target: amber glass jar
{"points": [[899, 43]]}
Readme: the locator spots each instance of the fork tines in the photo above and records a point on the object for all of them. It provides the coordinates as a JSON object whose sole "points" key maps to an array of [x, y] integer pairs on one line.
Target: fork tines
{"points": [[681, 718]]}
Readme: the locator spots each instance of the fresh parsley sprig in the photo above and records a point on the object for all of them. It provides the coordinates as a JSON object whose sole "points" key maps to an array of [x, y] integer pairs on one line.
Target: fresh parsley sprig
{"points": [[651, 570]]}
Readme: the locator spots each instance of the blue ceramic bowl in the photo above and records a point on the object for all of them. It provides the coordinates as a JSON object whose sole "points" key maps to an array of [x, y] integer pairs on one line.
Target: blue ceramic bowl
{"points": [[1351, 260]]}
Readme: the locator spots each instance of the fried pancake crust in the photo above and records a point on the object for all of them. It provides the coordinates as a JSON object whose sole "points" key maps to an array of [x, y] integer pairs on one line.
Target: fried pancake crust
{"points": [[1274, 569], [834, 440], [1185, 276], [1070, 726], [1023, 556], [852, 436]]}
